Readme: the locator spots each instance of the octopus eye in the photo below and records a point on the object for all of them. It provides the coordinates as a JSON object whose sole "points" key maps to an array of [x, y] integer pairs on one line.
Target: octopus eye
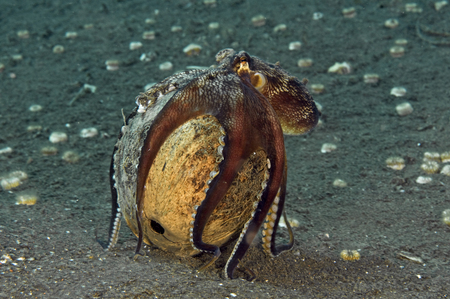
{"points": [[156, 227], [259, 81]]}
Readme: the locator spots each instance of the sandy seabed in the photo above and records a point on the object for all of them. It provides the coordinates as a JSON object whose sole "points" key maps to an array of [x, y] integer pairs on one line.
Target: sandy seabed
{"points": [[49, 249]]}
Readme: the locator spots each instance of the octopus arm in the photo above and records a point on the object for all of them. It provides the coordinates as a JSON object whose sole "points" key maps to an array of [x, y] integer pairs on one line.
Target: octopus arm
{"points": [[272, 220], [179, 109], [199, 97], [263, 124], [116, 214]]}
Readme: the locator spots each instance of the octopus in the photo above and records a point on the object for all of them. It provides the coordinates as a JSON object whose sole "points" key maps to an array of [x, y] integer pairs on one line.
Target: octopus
{"points": [[201, 160]]}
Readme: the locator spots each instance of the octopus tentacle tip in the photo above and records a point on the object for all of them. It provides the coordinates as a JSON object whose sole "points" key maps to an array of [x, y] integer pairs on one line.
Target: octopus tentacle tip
{"points": [[139, 254]]}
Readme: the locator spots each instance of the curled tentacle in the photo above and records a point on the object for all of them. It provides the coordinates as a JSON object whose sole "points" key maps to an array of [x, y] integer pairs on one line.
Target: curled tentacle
{"points": [[272, 220]]}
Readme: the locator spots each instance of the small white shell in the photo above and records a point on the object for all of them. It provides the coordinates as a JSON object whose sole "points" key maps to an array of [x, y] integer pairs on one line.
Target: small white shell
{"points": [[398, 91], [166, 66], [404, 109], [328, 147], [57, 137], [295, 46], [446, 170], [423, 180], [88, 132], [340, 68], [135, 45]]}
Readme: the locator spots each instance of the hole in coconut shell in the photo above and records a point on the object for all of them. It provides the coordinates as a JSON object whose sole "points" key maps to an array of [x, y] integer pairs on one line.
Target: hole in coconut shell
{"points": [[156, 227]]}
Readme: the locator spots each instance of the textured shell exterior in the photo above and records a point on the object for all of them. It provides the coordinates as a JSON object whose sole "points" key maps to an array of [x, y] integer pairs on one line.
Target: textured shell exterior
{"points": [[127, 155], [177, 182]]}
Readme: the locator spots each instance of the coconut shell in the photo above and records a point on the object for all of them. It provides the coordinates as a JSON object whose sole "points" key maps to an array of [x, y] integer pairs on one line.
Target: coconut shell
{"points": [[176, 184]]}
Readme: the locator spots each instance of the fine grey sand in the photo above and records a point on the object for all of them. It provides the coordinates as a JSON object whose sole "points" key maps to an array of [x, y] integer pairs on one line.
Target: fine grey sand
{"points": [[49, 249]]}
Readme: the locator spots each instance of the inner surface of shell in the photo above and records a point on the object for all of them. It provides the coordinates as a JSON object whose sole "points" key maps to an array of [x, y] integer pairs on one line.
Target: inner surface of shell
{"points": [[176, 183]]}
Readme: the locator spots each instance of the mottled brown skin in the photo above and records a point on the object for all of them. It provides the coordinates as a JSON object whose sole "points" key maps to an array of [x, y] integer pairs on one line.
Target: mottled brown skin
{"points": [[255, 102]]}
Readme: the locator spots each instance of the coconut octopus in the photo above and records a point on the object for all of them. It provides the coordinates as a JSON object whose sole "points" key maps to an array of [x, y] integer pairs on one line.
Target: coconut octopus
{"points": [[201, 160]]}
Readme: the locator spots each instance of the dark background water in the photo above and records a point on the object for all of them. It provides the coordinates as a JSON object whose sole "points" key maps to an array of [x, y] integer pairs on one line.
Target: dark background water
{"points": [[381, 213]]}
